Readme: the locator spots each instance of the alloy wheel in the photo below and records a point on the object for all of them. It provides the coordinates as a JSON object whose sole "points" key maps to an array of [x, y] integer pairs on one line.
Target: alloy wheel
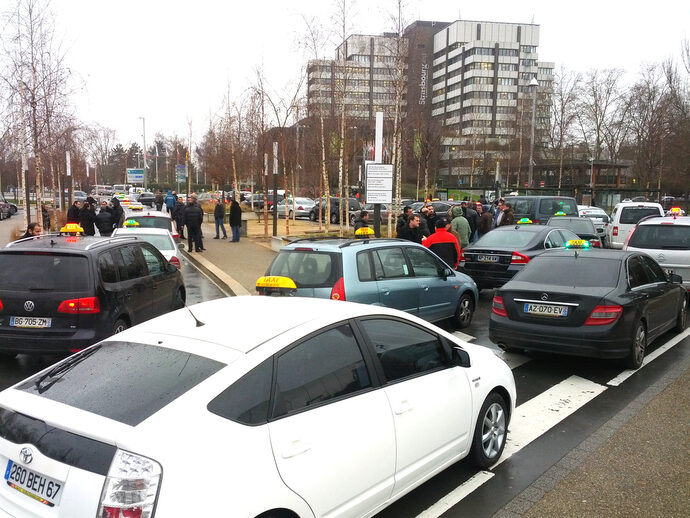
{"points": [[493, 430]]}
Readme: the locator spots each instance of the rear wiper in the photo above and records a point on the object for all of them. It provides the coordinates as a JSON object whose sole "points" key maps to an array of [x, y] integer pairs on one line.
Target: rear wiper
{"points": [[63, 367]]}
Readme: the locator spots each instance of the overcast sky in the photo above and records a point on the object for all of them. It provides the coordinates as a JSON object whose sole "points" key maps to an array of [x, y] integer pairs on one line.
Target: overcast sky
{"points": [[170, 61]]}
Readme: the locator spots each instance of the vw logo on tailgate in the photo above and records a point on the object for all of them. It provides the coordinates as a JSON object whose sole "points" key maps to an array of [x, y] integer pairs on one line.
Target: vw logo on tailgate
{"points": [[29, 305]]}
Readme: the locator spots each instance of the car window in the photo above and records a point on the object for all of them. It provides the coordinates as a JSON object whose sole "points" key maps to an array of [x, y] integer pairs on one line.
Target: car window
{"points": [[424, 264], [392, 262], [154, 263], [124, 381], [246, 401], [106, 268], [403, 349], [632, 215], [553, 205], [637, 274], [43, 271], [130, 263], [365, 270], [160, 242], [663, 237], [568, 235], [654, 272], [522, 206], [554, 240], [326, 366], [567, 270], [307, 268], [509, 237], [577, 225]]}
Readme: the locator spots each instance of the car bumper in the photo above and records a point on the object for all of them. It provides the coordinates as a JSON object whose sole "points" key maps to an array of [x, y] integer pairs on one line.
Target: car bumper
{"points": [[592, 341], [489, 279], [42, 343]]}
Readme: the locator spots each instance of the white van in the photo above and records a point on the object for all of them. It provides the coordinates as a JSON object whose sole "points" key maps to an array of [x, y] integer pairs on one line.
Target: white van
{"points": [[625, 216]]}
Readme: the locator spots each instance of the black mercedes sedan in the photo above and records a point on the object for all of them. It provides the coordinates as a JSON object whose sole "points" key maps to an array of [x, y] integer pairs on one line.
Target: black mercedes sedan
{"points": [[498, 255], [588, 302]]}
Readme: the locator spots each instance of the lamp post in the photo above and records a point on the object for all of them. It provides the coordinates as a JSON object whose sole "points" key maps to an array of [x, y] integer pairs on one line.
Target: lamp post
{"points": [[533, 84], [143, 135], [591, 179]]}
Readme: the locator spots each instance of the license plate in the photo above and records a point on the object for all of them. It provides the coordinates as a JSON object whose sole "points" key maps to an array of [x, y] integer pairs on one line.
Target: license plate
{"points": [[35, 322], [547, 310], [43, 489], [487, 258]]}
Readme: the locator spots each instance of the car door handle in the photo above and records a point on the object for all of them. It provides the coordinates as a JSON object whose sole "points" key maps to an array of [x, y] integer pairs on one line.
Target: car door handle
{"points": [[424, 287], [403, 407], [296, 448], [385, 291]]}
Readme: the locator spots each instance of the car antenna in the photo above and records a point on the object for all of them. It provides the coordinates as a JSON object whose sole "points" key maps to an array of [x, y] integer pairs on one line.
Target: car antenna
{"points": [[199, 323]]}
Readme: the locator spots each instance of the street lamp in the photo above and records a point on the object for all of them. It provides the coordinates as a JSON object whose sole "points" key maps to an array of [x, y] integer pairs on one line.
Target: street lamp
{"points": [[143, 135], [533, 84], [591, 179]]}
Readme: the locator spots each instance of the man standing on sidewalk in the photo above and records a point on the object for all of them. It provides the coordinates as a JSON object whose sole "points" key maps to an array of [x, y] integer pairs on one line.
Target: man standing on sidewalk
{"points": [[192, 217], [219, 216], [235, 220]]}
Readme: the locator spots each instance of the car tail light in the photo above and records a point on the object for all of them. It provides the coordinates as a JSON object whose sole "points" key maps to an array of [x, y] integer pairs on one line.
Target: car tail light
{"points": [[536, 222], [461, 260], [518, 258], [175, 262], [131, 487], [595, 243], [300, 208], [498, 308], [603, 315], [614, 232], [338, 291], [1, 306], [80, 306], [175, 235]]}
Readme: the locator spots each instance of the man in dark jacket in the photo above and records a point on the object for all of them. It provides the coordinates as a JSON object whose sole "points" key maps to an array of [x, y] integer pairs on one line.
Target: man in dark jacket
{"points": [[219, 216], [45, 215], [104, 220], [118, 213], [403, 219], [508, 217], [177, 215], [412, 231], [73, 212], [192, 217], [362, 220], [471, 216], [159, 200], [443, 243], [87, 218], [235, 220]]}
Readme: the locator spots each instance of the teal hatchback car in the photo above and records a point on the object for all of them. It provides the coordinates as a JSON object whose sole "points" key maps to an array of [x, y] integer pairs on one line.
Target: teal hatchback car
{"points": [[386, 272]]}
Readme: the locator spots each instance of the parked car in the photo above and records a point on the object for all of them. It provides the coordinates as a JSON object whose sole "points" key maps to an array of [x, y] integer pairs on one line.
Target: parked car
{"points": [[498, 255], [598, 303], [258, 200], [440, 207], [598, 217], [300, 208], [353, 205], [667, 241], [80, 196], [583, 227], [147, 199], [154, 219], [318, 384], [387, 272], [539, 209], [75, 291], [161, 238], [5, 210], [131, 202], [624, 217]]}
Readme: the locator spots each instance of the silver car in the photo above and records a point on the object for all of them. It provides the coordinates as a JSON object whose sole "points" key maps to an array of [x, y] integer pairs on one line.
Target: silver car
{"points": [[300, 208], [160, 238]]}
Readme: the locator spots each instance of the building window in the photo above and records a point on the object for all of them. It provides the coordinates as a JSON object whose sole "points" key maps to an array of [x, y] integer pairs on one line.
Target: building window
{"points": [[508, 52], [528, 49], [528, 62], [508, 67], [507, 81]]}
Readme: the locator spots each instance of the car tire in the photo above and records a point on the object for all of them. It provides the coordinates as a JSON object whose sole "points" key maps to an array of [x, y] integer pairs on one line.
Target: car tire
{"points": [[179, 299], [119, 326], [312, 216], [637, 347], [464, 311], [490, 432], [682, 320], [13, 210], [352, 221], [334, 217]]}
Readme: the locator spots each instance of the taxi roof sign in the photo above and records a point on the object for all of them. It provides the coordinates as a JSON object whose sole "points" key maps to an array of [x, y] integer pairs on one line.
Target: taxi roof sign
{"points": [[577, 243], [275, 285], [364, 232], [131, 223], [524, 221], [560, 213], [72, 228]]}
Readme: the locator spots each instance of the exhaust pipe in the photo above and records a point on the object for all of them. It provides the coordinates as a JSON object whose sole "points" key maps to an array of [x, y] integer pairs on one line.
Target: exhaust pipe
{"points": [[502, 346]]}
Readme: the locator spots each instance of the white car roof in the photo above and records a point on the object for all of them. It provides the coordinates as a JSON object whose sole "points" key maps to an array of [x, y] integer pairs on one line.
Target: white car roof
{"points": [[157, 213], [667, 220], [145, 230]]}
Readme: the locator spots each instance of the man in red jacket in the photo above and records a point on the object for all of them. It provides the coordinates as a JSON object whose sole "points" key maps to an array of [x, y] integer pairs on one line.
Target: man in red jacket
{"points": [[443, 243]]}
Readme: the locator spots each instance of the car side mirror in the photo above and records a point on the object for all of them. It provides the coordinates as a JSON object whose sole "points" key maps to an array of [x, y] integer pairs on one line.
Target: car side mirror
{"points": [[675, 278], [461, 357], [446, 272]]}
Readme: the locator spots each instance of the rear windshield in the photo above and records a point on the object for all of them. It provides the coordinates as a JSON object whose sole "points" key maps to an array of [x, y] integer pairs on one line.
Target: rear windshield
{"points": [[632, 215], [553, 205], [43, 271], [594, 215], [665, 237], [153, 222], [579, 225], [308, 269], [123, 381], [160, 242], [512, 237], [583, 271]]}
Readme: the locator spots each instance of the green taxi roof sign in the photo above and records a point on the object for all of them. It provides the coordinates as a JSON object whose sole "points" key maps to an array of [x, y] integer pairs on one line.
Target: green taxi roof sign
{"points": [[577, 243], [524, 221], [560, 213]]}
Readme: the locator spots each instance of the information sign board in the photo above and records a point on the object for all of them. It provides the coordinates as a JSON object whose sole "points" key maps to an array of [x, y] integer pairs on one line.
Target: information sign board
{"points": [[380, 183], [135, 175]]}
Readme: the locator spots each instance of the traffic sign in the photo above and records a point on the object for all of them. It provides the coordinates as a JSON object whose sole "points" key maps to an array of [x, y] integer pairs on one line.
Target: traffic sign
{"points": [[181, 172], [135, 175]]}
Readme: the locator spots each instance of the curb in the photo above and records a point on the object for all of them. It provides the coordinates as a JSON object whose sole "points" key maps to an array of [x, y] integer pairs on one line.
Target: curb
{"points": [[218, 275], [550, 479]]}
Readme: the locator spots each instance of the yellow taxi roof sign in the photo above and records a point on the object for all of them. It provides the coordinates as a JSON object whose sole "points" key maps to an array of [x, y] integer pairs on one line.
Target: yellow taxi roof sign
{"points": [[524, 221], [131, 223], [275, 285], [577, 243], [560, 213], [675, 210], [364, 232], [72, 227]]}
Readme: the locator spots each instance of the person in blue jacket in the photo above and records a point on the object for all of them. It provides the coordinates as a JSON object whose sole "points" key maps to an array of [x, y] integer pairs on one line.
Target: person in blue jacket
{"points": [[170, 200]]}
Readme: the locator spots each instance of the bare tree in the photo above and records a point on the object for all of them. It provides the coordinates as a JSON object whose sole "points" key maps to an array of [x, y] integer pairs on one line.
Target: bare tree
{"points": [[563, 113]]}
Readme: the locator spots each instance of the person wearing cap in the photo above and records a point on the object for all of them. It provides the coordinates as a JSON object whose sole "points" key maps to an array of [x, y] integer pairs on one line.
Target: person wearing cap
{"points": [[443, 243], [471, 216]]}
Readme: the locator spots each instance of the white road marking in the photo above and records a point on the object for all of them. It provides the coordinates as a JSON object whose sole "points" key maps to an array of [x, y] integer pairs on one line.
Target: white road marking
{"points": [[456, 495], [650, 358], [463, 336], [529, 422]]}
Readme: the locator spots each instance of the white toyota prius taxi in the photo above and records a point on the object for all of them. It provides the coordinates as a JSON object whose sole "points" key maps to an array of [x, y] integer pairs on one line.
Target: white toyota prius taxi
{"points": [[328, 408]]}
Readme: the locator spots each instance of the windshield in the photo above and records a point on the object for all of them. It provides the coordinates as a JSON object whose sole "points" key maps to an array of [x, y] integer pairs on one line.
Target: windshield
{"points": [[505, 238], [632, 215], [664, 237], [579, 225], [567, 270], [43, 271], [123, 381]]}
